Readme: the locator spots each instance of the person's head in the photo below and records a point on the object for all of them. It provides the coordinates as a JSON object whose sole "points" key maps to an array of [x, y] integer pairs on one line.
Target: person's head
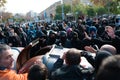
{"points": [[109, 28], [69, 30], [21, 29], [73, 57], [37, 72], [104, 21], [100, 56], [6, 59], [11, 32], [52, 35], [93, 31], [65, 23], [41, 35], [74, 35], [110, 69], [63, 36], [109, 48]]}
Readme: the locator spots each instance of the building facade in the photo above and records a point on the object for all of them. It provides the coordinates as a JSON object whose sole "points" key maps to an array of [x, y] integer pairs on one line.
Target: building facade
{"points": [[48, 13]]}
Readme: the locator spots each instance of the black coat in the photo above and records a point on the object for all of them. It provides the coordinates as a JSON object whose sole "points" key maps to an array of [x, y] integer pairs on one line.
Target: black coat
{"points": [[73, 72]]}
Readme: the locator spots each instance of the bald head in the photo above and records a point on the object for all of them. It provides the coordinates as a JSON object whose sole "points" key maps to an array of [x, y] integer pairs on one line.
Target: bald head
{"points": [[109, 48]]}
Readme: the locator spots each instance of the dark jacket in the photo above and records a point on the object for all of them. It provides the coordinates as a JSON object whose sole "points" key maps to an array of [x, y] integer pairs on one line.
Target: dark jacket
{"points": [[72, 72]]}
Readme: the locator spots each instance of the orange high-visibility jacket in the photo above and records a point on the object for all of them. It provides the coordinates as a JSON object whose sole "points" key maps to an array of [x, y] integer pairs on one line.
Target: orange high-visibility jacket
{"points": [[12, 75]]}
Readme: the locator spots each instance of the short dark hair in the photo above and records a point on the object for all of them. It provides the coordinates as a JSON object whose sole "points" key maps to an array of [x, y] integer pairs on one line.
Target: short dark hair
{"points": [[110, 69], [37, 72], [73, 56], [99, 58]]}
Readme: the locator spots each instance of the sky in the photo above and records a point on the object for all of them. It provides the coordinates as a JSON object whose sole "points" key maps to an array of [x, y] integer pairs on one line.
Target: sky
{"points": [[24, 6]]}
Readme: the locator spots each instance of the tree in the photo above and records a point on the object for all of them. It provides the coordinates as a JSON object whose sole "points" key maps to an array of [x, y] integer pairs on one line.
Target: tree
{"points": [[112, 6], [67, 9], [19, 17], [2, 3], [100, 2], [79, 8], [58, 16], [6, 16], [100, 10], [90, 11]]}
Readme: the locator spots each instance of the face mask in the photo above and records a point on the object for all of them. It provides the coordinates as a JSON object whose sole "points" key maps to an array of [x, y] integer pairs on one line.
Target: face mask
{"points": [[93, 36], [63, 38], [74, 38]]}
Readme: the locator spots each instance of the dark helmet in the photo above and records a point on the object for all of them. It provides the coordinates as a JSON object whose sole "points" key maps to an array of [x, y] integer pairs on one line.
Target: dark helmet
{"points": [[40, 34], [52, 32], [63, 34]]}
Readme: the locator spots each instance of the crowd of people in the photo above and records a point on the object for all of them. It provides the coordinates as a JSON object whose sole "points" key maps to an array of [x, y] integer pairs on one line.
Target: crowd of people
{"points": [[65, 33], [98, 35]]}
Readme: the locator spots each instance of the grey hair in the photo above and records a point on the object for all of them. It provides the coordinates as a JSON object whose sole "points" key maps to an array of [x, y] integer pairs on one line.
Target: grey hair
{"points": [[4, 47]]}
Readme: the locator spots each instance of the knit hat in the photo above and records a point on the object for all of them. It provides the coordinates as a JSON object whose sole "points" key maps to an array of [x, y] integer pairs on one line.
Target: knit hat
{"points": [[92, 28]]}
